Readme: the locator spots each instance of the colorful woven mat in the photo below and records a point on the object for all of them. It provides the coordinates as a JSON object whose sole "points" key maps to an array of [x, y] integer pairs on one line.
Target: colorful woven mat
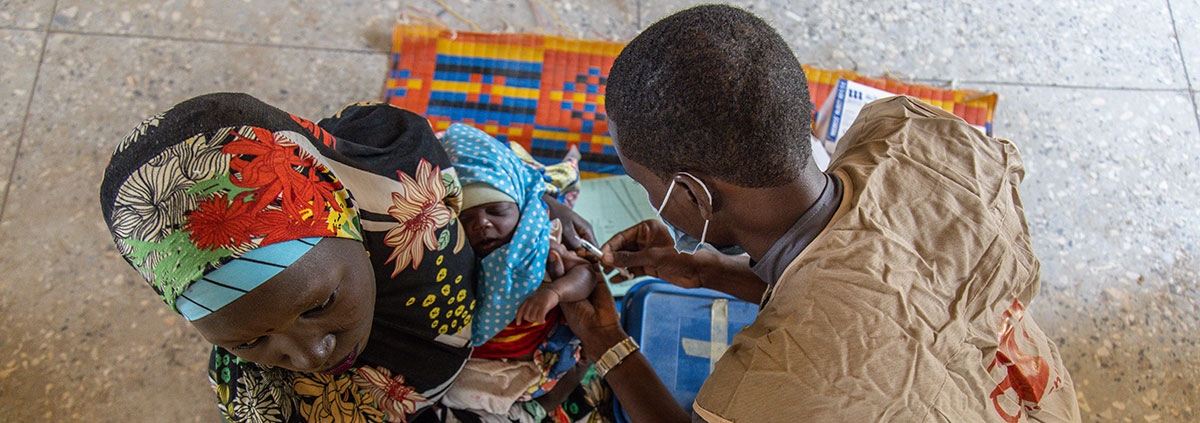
{"points": [[973, 106], [547, 92]]}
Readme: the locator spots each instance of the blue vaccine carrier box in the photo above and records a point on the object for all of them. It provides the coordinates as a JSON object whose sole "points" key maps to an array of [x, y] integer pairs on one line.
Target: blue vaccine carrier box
{"points": [[682, 332]]}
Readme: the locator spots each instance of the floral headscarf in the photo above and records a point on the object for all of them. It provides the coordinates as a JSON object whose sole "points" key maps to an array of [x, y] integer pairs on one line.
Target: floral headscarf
{"points": [[219, 177], [192, 189], [512, 272]]}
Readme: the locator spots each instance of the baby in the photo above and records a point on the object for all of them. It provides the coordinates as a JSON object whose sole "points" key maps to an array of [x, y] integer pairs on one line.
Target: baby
{"points": [[522, 345], [490, 219]]}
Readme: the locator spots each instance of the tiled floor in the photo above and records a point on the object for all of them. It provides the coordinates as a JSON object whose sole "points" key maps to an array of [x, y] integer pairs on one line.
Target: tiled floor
{"points": [[1096, 94]]}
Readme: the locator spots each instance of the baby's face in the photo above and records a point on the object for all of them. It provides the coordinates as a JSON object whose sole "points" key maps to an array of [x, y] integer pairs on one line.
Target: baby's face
{"points": [[490, 226]]}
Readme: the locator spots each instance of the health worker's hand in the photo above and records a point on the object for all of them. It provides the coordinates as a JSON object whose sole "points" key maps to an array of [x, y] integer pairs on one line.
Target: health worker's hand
{"points": [[594, 320], [648, 249]]}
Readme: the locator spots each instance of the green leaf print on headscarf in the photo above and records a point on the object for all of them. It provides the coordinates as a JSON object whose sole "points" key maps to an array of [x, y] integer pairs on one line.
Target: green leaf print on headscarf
{"points": [[182, 262], [218, 184]]}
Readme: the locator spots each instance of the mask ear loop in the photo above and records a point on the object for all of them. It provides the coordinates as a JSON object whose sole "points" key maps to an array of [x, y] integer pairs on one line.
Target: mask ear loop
{"points": [[658, 211], [703, 233]]}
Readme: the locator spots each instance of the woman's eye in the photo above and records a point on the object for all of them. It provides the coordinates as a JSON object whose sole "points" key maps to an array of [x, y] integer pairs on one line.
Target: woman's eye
{"points": [[253, 343], [328, 302]]}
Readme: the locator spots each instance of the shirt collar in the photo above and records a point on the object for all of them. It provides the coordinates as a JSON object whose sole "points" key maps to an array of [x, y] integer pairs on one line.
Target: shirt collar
{"points": [[807, 227]]}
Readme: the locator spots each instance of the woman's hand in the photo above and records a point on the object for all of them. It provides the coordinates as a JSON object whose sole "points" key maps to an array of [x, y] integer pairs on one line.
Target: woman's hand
{"points": [[575, 227]]}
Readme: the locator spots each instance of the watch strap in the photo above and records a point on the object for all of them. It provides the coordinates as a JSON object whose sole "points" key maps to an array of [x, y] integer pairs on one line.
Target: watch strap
{"points": [[615, 355]]}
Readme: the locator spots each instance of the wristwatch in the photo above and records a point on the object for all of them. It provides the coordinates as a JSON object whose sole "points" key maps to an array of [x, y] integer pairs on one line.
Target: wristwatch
{"points": [[615, 355]]}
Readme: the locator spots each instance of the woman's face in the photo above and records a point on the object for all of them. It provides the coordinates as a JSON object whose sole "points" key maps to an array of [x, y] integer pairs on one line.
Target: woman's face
{"points": [[490, 226], [315, 316]]}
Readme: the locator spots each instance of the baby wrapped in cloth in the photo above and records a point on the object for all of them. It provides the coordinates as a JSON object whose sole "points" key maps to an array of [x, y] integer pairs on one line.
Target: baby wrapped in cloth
{"points": [[522, 347]]}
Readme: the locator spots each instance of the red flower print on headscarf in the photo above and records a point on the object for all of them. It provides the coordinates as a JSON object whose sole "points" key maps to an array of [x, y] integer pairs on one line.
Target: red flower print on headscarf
{"points": [[325, 138], [420, 212], [391, 395], [278, 170], [219, 223], [277, 226]]}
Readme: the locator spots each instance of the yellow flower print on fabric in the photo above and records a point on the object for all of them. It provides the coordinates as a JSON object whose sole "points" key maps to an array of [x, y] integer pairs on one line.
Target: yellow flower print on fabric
{"points": [[396, 398], [333, 399]]}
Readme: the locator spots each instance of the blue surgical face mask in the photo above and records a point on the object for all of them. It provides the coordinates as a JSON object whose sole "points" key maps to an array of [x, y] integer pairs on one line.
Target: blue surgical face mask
{"points": [[685, 243]]}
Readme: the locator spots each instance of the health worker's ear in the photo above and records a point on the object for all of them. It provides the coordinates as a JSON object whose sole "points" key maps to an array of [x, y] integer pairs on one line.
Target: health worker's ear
{"points": [[701, 196]]}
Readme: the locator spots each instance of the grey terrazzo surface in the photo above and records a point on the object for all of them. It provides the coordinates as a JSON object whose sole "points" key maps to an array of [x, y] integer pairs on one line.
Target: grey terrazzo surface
{"points": [[1110, 194], [25, 14], [1094, 94], [1187, 19], [1071, 43], [21, 50]]}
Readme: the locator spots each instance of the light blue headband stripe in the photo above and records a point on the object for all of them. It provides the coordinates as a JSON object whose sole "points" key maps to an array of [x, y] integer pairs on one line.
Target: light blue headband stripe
{"points": [[241, 275]]}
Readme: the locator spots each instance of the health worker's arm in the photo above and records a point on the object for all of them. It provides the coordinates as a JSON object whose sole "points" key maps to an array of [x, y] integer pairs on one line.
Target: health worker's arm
{"points": [[642, 394], [648, 249]]}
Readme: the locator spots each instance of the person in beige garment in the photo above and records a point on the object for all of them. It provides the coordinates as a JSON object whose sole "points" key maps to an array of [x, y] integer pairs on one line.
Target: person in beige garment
{"points": [[893, 287]]}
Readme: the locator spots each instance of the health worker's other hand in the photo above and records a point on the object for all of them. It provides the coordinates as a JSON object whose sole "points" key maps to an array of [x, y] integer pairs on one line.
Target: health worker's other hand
{"points": [[594, 320], [647, 248]]}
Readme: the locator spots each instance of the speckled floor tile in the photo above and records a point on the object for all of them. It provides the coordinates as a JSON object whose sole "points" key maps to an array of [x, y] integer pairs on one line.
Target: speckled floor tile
{"points": [[1110, 194], [1044, 42], [342, 25], [1196, 102], [28, 14], [601, 19], [1187, 24], [21, 50], [310, 23], [82, 333]]}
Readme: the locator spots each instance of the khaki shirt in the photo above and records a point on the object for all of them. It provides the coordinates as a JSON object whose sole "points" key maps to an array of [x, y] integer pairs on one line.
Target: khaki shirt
{"points": [[909, 306]]}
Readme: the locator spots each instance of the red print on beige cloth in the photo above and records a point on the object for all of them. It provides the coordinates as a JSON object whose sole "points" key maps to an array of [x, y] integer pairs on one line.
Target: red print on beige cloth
{"points": [[1022, 362]]}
